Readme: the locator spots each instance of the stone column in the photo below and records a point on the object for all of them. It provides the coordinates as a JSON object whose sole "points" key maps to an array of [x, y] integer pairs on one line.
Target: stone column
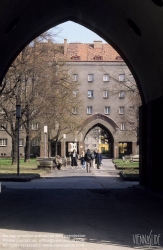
{"points": [[81, 147], [116, 150], [151, 152]]}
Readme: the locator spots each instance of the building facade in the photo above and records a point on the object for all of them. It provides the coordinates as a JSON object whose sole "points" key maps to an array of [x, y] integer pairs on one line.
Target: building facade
{"points": [[107, 90]]}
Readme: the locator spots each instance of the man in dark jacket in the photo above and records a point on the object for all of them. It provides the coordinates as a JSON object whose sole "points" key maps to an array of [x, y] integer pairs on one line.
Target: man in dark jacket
{"points": [[98, 159], [88, 159]]}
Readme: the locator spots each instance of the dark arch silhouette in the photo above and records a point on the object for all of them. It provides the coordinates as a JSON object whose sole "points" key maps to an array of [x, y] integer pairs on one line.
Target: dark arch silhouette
{"points": [[134, 29]]}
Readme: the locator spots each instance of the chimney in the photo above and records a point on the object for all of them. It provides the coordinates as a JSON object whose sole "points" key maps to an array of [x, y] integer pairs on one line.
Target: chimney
{"points": [[49, 40], [97, 44]]}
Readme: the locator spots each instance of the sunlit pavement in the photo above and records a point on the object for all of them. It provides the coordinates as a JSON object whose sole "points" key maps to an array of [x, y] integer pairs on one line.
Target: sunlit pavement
{"points": [[72, 209], [105, 177]]}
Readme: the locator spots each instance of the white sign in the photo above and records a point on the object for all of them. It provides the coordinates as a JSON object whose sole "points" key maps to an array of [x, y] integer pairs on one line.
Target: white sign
{"points": [[72, 146]]}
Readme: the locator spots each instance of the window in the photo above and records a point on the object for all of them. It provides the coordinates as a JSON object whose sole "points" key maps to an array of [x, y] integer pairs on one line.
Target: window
{"points": [[36, 142], [107, 110], [76, 57], [74, 110], [132, 125], [72, 126], [122, 94], [106, 78], [34, 126], [1, 111], [123, 126], [89, 110], [131, 108], [75, 93], [21, 127], [75, 77], [121, 77], [3, 142], [90, 78], [105, 94], [98, 58], [90, 93], [94, 145], [21, 142], [121, 110], [3, 126]]}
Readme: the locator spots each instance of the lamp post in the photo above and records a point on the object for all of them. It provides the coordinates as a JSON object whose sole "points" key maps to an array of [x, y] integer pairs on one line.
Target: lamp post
{"points": [[45, 132], [18, 116]]}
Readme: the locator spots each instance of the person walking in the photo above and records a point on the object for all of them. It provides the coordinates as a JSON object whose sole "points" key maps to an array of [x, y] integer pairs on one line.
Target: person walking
{"points": [[98, 159], [82, 158], [94, 157], [88, 159], [74, 159]]}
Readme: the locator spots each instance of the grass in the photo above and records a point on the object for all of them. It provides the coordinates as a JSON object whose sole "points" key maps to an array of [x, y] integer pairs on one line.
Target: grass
{"points": [[130, 170], [126, 164], [25, 167]]}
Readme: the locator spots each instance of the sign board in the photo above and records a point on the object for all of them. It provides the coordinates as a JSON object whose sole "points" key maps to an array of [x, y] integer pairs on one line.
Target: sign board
{"points": [[72, 146]]}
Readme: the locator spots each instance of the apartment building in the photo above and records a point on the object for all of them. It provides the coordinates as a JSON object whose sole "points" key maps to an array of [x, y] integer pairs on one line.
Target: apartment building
{"points": [[107, 90]]}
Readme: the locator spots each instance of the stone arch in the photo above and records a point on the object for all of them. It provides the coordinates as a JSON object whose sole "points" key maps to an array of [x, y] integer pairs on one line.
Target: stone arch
{"points": [[133, 28], [101, 120], [104, 122]]}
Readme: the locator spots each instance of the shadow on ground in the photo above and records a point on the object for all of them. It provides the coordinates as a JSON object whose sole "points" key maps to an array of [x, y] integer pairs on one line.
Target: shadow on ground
{"points": [[103, 216]]}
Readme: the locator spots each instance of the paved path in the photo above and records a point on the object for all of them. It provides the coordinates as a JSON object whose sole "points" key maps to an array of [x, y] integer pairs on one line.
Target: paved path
{"points": [[70, 209], [105, 177]]}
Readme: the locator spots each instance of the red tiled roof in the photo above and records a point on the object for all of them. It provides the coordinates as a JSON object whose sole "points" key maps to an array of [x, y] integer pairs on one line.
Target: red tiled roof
{"points": [[96, 51]]}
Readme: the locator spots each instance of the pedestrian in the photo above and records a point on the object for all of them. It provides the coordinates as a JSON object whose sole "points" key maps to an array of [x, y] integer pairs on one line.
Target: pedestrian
{"points": [[98, 159], [74, 159], [88, 159], [94, 157], [82, 158]]}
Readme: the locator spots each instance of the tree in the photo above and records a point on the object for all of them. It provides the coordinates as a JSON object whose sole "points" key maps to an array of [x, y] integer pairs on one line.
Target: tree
{"points": [[126, 86], [64, 113], [38, 80]]}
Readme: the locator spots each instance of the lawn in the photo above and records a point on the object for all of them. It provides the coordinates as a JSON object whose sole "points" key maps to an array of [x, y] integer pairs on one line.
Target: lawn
{"points": [[129, 170], [24, 167], [126, 164]]}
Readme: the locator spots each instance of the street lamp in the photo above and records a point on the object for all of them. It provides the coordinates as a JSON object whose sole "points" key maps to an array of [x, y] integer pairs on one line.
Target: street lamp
{"points": [[18, 116], [45, 132]]}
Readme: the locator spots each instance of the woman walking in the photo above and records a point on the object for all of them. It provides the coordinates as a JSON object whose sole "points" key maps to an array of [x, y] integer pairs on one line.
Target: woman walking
{"points": [[74, 158], [82, 158]]}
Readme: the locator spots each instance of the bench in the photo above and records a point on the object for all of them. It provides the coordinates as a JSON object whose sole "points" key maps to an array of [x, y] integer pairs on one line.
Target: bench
{"points": [[134, 158], [52, 162], [46, 164], [126, 157]]}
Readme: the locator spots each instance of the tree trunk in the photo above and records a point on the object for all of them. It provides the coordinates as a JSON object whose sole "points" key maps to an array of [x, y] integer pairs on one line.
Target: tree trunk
{"points": [[14, 150], [27, 149], [27, 145], [56, 147]]}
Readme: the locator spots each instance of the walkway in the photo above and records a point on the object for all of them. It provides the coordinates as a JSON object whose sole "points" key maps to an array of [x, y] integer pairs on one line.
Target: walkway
{"points": [[106, 177], [70, 209]]}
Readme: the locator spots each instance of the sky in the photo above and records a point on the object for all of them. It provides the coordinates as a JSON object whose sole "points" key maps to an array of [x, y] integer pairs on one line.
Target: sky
{"points": [[74, 32]]}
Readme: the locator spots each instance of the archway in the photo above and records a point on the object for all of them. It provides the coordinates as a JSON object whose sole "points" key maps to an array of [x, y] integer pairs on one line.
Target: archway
{"points": [[102, 140], [134, 29]]}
